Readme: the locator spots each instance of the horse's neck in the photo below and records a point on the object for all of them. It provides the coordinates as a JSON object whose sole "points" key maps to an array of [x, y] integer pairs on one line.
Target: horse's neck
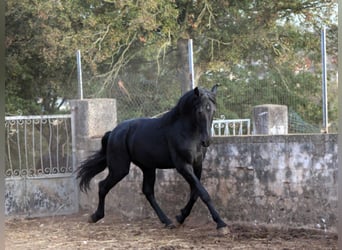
{"points": [[188, 125], [177, 119]]}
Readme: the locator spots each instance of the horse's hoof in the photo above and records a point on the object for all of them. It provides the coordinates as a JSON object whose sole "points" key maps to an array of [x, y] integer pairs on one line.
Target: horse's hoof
{"points": [[179, 219], [177, 224], [91, 219], [170, 226], [222, 231]]}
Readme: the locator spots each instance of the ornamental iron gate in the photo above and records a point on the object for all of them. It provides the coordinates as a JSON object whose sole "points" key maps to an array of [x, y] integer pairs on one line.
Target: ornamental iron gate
{"points": [[39, 165]]}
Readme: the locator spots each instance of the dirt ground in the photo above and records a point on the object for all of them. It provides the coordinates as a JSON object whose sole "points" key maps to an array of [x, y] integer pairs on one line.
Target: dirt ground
{"points": [[73, 232]]}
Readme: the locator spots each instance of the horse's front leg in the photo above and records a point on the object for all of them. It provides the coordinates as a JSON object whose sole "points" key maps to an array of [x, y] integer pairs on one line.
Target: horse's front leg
{"points": [[185, 212], [186, 171], [148, 190]]}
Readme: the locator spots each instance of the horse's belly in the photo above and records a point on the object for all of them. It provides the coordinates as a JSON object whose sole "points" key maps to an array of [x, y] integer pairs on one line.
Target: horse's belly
{"points": [[153, 158]]}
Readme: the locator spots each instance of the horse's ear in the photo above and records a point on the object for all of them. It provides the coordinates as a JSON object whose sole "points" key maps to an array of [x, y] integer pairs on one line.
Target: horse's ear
{"points": [[196, 91], [214, 88]]}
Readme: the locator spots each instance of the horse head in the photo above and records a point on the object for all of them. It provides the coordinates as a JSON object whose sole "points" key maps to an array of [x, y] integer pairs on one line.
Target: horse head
{"points": [[205, 107]]}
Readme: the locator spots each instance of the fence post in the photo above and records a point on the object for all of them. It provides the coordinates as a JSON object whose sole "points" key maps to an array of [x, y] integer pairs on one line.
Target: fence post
{"points": [[191, 64], [93, 118], [270, 119], [79, 74], [324, 81]]}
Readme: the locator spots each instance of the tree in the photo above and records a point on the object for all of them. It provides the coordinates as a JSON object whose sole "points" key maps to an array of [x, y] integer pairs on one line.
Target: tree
{"points": [[148, 38], [39, 68]]}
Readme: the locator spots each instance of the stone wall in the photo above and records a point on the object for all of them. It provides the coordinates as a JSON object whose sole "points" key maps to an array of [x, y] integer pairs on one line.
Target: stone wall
{"points": [[40, 196], [289, 180], [56, 194], [279, 179], [283, 179]]}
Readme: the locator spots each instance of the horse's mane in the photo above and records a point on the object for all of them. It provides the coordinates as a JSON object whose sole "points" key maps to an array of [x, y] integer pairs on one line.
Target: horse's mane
{"points": [[185, 105]]}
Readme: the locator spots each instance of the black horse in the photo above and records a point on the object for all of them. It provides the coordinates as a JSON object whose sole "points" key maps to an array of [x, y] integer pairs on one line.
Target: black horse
{"points": [[178, 139]]}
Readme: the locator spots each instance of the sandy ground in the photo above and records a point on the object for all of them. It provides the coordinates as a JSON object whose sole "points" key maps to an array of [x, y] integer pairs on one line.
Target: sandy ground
{"points": [[73, 232]]}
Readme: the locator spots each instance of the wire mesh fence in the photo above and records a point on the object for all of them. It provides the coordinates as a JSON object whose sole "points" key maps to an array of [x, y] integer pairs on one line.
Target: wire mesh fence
{"points": [[148, 86]]}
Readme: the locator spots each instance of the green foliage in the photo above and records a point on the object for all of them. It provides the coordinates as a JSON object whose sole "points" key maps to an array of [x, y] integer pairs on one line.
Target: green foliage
{"points": [[38, 62], [130, 51]]}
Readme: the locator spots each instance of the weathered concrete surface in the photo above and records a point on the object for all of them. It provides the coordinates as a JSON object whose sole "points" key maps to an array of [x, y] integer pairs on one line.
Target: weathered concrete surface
{"points": [[270, 119], [36, 196], [58, 194], [285, 179], [93, 117], [290, 180]]}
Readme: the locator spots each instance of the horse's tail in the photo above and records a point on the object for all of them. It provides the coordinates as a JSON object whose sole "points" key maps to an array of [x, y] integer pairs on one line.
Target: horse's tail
{"points": [[95, 164]]}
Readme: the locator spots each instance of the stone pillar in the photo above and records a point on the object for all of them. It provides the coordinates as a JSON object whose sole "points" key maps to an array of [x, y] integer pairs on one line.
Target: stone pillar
{"points": [[92, 118], [270, 119]]}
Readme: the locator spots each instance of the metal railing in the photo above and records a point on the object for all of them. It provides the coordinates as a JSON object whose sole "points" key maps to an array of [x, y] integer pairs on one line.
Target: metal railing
{"points": [[230, 127], [38, 145]]}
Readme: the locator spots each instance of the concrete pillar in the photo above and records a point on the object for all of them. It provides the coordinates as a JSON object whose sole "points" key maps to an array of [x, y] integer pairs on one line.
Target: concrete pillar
{"points": [[93, 118], [270, 119]]}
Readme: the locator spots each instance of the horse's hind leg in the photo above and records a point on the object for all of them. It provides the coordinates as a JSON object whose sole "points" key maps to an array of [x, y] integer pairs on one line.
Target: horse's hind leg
{"points": [[148, 190], [114, 176]]}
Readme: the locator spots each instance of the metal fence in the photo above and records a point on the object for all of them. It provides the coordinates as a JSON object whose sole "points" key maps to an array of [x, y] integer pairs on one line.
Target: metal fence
{"points": [[231, 127], [148, 88], [38, 145]]}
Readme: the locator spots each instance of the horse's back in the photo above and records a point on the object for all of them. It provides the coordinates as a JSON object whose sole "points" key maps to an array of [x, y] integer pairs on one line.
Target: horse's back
{"points": [[143, 141], [148, 144]]}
